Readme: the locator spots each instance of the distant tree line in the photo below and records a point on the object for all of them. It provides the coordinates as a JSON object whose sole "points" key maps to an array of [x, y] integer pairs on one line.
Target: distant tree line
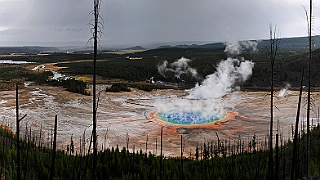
{"points": [[125, 87]]}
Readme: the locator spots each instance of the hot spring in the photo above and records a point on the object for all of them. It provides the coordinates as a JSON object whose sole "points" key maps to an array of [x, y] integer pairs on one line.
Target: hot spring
{"points": [[205, 104], [188, 117]]}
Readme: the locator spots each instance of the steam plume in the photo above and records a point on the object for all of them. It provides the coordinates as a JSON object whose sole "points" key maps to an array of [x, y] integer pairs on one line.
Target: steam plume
{"points": [[178, 67], [284, 91], [221, 82], [207, 97], [236, 48]]}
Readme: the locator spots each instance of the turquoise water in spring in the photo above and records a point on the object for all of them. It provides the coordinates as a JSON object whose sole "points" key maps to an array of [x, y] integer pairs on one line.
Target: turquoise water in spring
{"points": [[188, 117]]}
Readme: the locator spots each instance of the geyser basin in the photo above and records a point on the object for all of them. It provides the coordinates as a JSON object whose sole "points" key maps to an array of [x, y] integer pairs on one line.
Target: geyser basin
{"points": [[188, 117]]}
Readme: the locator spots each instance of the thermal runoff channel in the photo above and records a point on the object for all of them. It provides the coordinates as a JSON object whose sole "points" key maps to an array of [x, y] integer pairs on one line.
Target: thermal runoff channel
{"points": [[211, 100]]}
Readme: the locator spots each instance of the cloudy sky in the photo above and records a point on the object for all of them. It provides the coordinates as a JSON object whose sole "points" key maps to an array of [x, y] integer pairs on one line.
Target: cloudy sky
{"points": [[140, 22]]}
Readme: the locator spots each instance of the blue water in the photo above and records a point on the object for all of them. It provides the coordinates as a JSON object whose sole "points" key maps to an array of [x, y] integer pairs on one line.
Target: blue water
{"points": [[188, 117]]}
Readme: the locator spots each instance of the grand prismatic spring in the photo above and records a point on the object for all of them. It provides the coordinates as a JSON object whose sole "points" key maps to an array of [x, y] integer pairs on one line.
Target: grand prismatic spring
{"points": [[188, 118]]}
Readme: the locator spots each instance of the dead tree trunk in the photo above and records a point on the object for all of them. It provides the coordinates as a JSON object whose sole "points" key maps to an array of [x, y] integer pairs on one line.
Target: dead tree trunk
{"points": [[272, 56], [18, 133], [54, 147], [161, 154], [309, 92], [181, 156], [96, 7], [295, 139], [277, 158]]}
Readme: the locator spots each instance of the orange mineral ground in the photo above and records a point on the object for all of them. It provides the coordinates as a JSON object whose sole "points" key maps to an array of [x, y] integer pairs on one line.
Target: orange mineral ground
{"points": [[128, 119]]}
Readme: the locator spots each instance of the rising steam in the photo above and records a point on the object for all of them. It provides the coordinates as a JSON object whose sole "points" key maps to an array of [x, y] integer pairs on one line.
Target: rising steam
{"points": [[284, 91], [221, 82], [209, 96], [178, 67], [236, 48]]}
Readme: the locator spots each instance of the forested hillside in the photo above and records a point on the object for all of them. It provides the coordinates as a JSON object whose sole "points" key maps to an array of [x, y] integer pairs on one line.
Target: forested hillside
{"points": [[288, 67]]}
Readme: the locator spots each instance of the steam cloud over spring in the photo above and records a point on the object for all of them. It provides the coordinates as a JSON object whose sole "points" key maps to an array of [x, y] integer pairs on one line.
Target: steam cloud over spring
{"points": [[205, 102], [221, 82], [229, 72]]}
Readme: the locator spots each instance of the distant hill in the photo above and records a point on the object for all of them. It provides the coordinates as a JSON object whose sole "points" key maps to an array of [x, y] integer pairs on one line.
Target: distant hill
{"points": [[135, 48], [209, 45], [27, 49], [297, 44]]}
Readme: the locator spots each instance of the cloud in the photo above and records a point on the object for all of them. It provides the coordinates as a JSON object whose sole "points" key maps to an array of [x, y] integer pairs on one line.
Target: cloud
{"points": [[70, 29], [74, 29], [144, 21], [13, 32]]}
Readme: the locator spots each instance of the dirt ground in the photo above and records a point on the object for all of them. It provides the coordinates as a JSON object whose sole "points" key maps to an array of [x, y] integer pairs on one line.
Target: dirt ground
{"points": [[125, 119]]}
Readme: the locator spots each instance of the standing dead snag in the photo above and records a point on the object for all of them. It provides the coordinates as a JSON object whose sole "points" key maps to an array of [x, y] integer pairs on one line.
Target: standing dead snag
{"points": [[309, 89], [96, 14], [161, 159], [54, 148], [272, 52], [181, 158], [309, 23], [18, 133], [94, 131], [295, 139]]}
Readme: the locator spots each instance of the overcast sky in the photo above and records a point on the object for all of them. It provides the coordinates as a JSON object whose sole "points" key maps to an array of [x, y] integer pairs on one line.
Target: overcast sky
{"points": [[139, 22]]}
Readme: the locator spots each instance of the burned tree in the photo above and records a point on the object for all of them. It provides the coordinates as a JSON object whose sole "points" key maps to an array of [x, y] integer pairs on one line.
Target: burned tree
{"points": [[18, 132], [309, 20], [272, 52], [294, 174], [96, 31]]}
